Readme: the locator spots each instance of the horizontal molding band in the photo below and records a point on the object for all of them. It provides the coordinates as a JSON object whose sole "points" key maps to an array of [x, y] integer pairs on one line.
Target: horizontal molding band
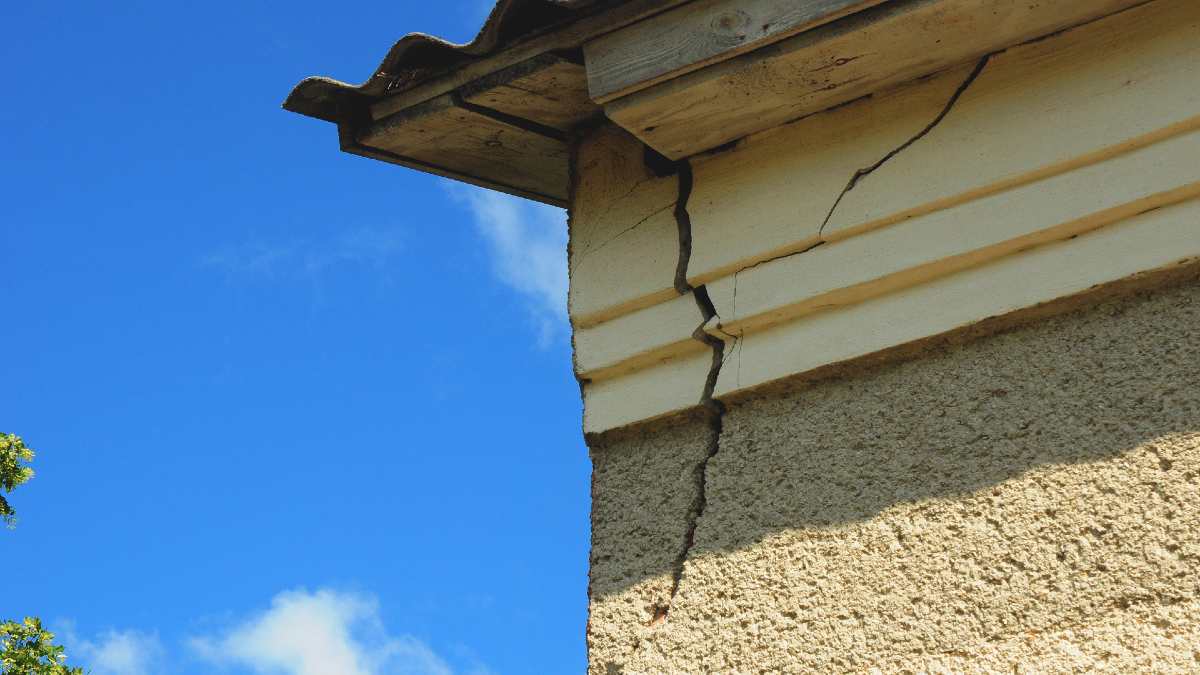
{"points": [[998, 187], [1155, 240], [1158, 239], [1053, 106], [664, 331]]}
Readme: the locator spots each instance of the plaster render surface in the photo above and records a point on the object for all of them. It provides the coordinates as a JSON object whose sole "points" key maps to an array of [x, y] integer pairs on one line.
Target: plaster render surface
{"points": [[1023, 503], [624, 249], [644, 488]]}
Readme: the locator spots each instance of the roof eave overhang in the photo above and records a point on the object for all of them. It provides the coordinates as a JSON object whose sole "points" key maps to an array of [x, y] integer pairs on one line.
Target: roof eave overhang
{"points": [[499, 111]]}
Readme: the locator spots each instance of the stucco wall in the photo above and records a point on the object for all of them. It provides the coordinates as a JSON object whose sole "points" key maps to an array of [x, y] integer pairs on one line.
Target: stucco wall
{"points": [[1026, 502]]}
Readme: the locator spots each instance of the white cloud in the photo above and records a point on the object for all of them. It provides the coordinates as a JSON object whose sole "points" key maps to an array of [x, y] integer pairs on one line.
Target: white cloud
{"points": [[320, 633], [114, 652], [528, 244]]}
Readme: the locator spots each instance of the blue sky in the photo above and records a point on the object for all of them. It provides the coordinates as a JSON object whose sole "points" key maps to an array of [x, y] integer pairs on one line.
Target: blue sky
{"points": [[296, 411]]}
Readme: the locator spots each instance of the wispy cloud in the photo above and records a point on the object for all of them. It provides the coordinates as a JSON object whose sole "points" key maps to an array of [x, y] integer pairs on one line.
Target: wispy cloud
{"points": [[372, 248], [528, 246], [325, 632], [114, 652]]}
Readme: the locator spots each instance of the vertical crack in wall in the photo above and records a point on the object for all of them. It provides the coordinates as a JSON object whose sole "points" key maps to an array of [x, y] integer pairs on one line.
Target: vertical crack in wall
{"points": [[683, 221], [866, 171], [712, 409]]}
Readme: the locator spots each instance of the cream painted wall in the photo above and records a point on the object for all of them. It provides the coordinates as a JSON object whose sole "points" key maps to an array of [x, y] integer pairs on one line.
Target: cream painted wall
{"points": [[1045, 170]]}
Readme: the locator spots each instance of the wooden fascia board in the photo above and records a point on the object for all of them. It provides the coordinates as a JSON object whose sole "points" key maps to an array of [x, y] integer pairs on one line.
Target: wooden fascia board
{"points": [[697, 34], [856, 56], [507, 131]]}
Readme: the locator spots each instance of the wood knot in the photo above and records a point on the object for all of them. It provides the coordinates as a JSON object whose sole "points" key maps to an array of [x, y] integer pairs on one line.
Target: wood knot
{"points": [[732, 23]]}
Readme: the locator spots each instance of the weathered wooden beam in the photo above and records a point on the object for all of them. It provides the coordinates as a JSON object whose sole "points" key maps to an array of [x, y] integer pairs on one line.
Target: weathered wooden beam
{"points": [[506, 131], [855, 56], [696, 34], [557, 38], [484, 147], [546, 89]]}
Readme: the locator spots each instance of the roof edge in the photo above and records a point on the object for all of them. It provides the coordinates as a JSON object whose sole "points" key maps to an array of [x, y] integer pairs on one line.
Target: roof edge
{"points": [[417, 57]]}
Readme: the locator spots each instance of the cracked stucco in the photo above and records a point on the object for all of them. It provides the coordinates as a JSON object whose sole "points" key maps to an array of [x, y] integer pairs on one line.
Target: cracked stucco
{"points": [[711, 409], [1022, 503], [1012, 502]]}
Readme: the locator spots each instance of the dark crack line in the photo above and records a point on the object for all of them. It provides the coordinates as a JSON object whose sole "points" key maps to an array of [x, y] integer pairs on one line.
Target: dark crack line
{"points": [[612, 203], [684, 222], [735, 289], [707, 312], [864, 172], [712, 408], [714, 412]]}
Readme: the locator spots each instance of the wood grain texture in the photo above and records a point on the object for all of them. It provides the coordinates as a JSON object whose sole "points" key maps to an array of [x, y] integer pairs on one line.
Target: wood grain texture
{"points": [[697, 34], [548, 90], [562, 38], [442, 134], [836, 63]]}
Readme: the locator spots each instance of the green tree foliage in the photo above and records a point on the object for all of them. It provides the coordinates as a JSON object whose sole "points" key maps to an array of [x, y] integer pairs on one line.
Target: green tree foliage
{"points": [[28, 649], [13, 452], [25, 647]]}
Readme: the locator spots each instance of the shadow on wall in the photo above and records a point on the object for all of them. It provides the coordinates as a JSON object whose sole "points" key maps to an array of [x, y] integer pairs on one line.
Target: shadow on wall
{"points": [[998, 437]]}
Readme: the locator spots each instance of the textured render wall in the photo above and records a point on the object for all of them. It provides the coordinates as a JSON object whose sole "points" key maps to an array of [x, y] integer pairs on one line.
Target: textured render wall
{"points": [[1027, 502]]}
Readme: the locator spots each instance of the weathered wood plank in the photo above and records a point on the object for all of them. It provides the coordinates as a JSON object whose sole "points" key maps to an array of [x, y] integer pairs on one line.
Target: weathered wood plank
{"points": [[440, 133], [835, 63], [692, 36], [547, 89], [567, 37]]}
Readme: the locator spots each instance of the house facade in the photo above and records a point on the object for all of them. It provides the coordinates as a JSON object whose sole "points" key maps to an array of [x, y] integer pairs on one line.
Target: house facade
{"points": [[886, 315]]}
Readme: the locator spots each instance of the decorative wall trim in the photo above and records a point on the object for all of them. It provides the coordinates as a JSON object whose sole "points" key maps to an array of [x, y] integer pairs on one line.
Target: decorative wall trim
{"points": [[1035, 173]]}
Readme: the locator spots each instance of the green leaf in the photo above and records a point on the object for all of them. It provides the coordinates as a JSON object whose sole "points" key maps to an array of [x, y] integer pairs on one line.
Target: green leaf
{"points": [[26, 648], [13, 472]]}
